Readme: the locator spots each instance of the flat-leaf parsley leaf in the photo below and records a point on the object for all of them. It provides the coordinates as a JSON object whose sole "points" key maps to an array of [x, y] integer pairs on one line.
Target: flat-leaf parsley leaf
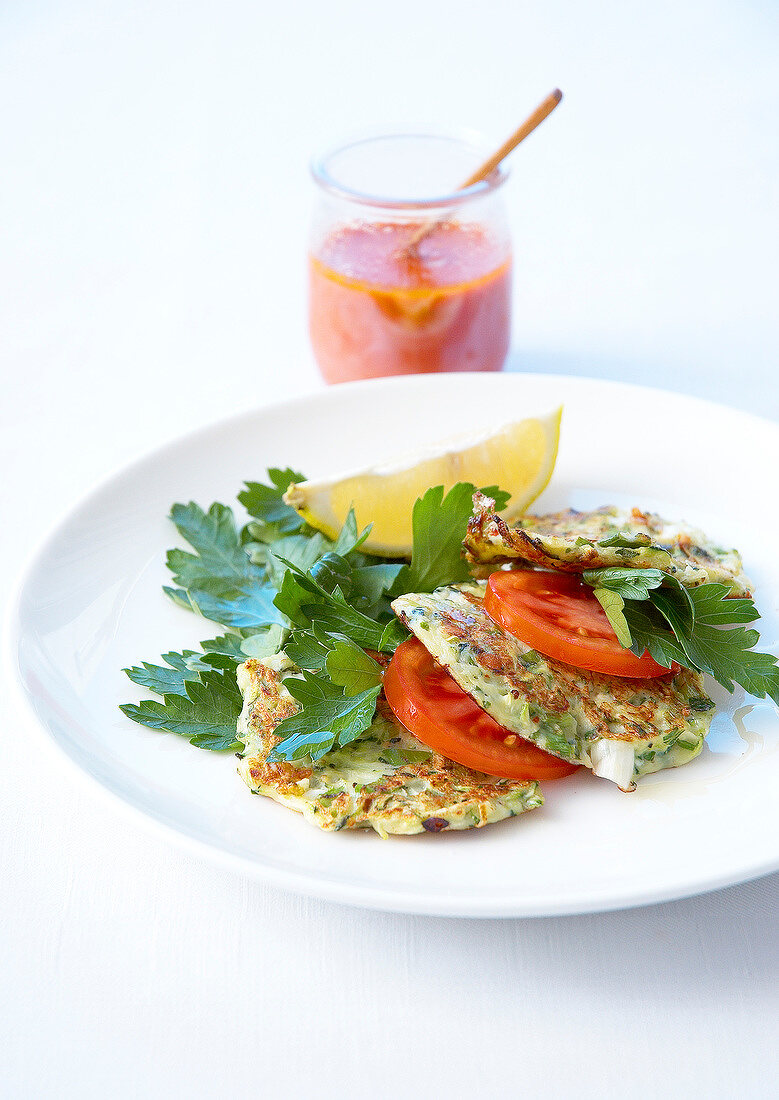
{"points": [[700, 628]]}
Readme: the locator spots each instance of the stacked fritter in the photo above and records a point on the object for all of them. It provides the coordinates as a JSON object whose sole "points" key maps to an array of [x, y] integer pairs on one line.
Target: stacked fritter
{"points": [[619, 728]]}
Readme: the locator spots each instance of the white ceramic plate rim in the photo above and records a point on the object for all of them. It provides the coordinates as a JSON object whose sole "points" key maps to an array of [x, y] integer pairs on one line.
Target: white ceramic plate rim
{"points": [[412, 901]]}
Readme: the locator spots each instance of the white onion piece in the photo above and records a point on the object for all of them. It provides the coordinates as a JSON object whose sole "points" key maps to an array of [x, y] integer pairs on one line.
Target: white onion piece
{"points": [[614, 760]]}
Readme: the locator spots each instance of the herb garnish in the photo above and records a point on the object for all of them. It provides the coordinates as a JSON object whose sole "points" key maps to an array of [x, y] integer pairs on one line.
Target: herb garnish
{"points": [[700, 628], [275, 584]]}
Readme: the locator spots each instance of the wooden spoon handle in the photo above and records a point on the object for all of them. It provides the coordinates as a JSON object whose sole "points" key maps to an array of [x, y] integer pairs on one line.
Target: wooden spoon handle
{"points": [[528, 126], [482, 172]]}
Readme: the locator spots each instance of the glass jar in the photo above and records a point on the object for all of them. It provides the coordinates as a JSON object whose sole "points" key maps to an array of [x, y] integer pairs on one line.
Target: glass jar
{"points": [[406, 274]]}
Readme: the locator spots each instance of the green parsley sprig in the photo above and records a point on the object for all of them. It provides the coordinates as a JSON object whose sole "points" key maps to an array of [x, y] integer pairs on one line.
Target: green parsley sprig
{"points": [[199, 697], [701, 628], [339, 610], [276, 583]]}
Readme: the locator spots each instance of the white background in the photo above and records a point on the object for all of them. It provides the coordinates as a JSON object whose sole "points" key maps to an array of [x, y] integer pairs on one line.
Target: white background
{"points": [[154, 200]]}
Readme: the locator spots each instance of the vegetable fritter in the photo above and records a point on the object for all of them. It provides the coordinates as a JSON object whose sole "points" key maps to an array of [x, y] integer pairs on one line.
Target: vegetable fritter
{"points": [[575, 541], [385, 780], [619, 728]]}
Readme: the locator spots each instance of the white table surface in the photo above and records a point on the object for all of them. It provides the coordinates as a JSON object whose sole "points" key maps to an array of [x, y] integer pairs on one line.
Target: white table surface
{"points": [[154, 202]]}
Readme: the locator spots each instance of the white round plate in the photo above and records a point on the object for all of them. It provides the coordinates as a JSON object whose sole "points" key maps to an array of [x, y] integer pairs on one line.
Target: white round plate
{"points": [[91, 605]]}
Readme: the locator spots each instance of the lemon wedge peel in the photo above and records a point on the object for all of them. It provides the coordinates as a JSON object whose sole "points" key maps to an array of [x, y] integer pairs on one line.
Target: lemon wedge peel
{"points": [[518, 457]]}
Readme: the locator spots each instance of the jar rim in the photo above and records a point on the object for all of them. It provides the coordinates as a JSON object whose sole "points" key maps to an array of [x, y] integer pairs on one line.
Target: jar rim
{"points": [[328, 181]]}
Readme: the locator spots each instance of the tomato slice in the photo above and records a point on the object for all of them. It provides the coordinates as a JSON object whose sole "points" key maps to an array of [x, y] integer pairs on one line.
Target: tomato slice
{"points": [[425, 698], [558, 615]]}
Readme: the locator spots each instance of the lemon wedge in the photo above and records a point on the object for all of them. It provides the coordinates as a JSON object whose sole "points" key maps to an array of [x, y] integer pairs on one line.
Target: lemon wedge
{"points": [[518, 457]]}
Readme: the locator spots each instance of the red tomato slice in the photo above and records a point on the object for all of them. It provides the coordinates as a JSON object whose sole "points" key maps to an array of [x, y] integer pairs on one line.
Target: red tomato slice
{"points": [[425, 698], [557, 615]]}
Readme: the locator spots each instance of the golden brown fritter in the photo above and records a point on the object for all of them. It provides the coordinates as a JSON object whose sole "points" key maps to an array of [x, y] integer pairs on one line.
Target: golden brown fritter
{"points": [[574, 541], [385, 780], [575, 714]]}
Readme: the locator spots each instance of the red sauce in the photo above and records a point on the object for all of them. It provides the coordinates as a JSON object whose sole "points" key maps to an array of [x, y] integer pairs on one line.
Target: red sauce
{"points": [[378, 308]]}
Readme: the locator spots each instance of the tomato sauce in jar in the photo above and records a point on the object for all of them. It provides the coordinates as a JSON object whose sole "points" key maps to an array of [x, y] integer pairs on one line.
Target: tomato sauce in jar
{"points": [[380, 307]]}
